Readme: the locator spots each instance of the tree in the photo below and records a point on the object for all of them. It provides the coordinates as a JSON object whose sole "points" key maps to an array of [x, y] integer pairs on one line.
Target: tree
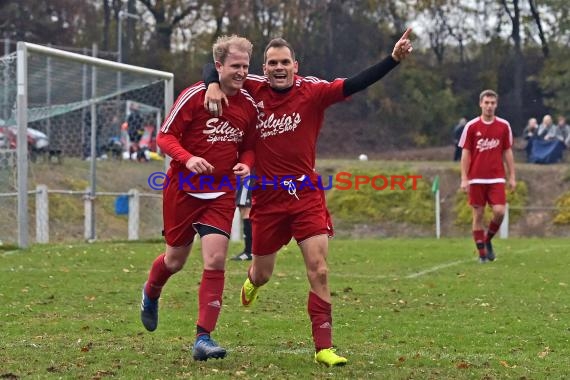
{"points": [[518, 61], [555, 81], [58, 22], [537, 20], [168, 14]]}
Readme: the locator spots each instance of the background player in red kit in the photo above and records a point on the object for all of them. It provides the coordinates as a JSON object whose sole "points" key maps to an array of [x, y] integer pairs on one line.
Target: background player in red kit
{"points": [[204, 146], [486, 143], [291, 116]]}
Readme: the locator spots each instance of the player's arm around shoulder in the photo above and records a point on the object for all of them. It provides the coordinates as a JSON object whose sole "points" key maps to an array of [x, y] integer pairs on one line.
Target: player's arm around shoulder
{"points": [[246, 148]]}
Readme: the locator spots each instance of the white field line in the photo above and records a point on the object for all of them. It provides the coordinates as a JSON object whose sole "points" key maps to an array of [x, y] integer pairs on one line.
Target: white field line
{"points": [[230, 273], [435, 268], [420, 273]]}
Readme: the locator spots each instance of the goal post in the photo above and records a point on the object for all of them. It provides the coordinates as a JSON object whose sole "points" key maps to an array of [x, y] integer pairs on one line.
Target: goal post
{"points": [[133, 79]]}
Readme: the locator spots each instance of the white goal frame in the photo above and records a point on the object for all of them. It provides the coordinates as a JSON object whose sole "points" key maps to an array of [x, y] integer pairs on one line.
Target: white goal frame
{"points": [[23, 48]]}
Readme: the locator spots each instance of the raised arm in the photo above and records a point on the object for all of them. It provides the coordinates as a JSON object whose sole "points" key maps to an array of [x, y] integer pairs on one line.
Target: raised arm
{"points": [[373, 74]]}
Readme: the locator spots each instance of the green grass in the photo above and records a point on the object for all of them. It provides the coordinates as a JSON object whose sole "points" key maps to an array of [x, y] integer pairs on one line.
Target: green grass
{"points": [[403, 308]]}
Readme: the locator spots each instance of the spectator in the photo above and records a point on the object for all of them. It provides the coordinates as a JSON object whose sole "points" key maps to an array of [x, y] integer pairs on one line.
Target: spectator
{"points": [[564, 129], [457, 131], [556, 132], [545, 127], [531, 129], [135, 121], [530, 132]]}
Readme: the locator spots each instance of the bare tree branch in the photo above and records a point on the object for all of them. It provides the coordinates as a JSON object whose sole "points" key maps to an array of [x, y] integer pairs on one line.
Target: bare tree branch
{"points": [[536, 17]]}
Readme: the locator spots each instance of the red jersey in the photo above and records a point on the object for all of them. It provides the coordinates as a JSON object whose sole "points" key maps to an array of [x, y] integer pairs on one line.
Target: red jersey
{"points": [[486, 142], [289, 123], [190, 130]]}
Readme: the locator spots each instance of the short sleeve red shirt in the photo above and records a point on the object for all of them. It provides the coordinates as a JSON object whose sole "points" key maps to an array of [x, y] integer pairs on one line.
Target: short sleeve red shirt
{"points": [[486, 142]]}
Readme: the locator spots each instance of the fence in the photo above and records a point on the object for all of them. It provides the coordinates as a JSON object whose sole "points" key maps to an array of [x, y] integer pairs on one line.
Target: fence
{"points": [[133, 213], [51, 219]]}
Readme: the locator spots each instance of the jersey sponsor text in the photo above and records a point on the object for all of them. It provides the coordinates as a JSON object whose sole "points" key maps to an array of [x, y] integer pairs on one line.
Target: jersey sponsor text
{"points": [[272, 126], [486, 144], [219, 130]]}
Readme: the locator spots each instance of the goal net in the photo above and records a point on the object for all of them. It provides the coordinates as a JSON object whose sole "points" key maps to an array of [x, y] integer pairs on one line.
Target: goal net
{"points": [[61, 115]]}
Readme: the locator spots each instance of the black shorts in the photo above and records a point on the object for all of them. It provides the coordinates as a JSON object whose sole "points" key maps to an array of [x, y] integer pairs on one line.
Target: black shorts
{"points": [[243, 196]]}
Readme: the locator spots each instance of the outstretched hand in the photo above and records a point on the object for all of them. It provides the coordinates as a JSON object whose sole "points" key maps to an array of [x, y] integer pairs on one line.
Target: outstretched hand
{"points": [[403, 47]]}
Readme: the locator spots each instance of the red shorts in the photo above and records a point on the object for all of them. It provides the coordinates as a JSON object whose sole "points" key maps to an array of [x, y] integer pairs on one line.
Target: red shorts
{"points": [[276, 217], [181, 212], [481, 193]]}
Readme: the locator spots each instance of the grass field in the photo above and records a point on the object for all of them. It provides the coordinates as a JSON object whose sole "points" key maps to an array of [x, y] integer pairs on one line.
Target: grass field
{"points": [[403, 309]]}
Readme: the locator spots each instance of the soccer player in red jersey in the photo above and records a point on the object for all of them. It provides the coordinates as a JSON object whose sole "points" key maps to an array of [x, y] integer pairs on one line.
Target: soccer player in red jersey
{"points": [[207, 153], [486, 143], [291, 116]]}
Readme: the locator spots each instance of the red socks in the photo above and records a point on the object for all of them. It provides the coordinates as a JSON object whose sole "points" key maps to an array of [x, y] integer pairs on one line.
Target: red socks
{"points": [[320, 313], [158, 276], [210, 299], [493, 228], [479, 237]]}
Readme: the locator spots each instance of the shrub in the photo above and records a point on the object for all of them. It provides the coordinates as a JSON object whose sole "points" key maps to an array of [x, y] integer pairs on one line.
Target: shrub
{"points": [[516, 200], [563, 212], [371, 205]]}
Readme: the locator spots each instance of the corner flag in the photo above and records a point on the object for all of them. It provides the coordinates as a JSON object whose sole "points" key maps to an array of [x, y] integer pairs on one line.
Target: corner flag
{"points": [[435, 191], [435, 185]]}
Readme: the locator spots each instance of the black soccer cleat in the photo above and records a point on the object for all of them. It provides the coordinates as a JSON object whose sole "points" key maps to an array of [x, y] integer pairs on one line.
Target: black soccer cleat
{"points": [[149, 311], [490, 253], [205, 348], [244, 256]]}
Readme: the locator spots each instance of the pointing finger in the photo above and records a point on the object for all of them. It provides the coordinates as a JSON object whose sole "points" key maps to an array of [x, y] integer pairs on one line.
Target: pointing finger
{"points": [[406, 34]]}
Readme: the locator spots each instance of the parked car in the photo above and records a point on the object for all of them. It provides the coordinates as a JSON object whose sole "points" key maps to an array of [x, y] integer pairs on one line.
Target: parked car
{"points": [[38, 141]]}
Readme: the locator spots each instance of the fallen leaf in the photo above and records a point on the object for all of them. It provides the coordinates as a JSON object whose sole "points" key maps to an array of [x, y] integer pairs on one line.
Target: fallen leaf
{"points": [[87, 347], [544, 353], [506, 365], [462, 365]]}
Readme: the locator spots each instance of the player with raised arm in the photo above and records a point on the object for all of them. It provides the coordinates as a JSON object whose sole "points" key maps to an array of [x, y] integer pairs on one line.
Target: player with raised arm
{"points": [[486, 143], [207, 153], [292, 109]]}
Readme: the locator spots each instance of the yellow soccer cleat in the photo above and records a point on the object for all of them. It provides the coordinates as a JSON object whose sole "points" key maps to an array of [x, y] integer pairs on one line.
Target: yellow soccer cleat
{"points": [[329, 358], [248, 293]]}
